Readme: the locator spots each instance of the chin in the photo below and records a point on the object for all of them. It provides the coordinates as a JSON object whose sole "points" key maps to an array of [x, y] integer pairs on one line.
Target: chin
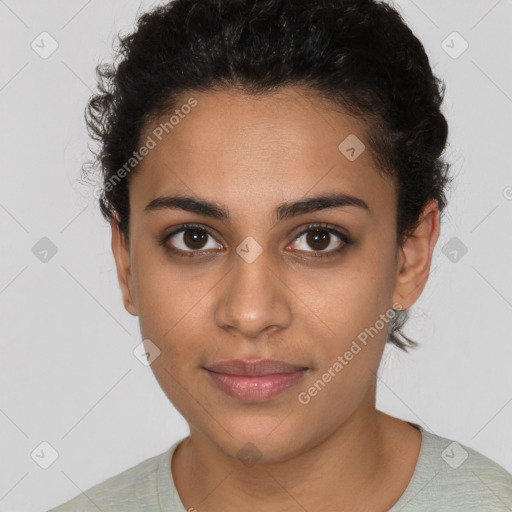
{"points": [[264, 442]]}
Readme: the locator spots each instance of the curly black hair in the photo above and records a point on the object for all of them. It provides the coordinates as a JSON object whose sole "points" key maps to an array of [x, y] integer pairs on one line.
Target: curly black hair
{"points": [[358, 54]]}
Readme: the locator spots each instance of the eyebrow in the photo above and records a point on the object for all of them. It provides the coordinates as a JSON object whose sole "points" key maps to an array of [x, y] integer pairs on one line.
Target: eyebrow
{"points": [[282, 212]]}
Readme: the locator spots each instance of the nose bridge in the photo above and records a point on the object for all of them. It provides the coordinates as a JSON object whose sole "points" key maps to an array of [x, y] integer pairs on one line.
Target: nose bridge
{"points": [[252, 299]]}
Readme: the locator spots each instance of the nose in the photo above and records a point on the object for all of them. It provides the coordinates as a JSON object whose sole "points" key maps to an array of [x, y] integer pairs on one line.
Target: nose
{"points": [[253, 300]]}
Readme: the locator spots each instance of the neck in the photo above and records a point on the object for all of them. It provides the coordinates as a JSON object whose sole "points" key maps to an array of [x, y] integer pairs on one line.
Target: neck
{"points": [[347, 470]]}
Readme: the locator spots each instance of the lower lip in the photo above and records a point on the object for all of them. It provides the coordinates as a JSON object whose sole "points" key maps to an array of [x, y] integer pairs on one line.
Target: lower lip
{"points": [[255, 388]]}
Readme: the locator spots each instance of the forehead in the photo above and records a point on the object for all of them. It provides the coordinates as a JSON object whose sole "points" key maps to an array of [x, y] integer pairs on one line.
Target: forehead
{"points": [[246, 151]]}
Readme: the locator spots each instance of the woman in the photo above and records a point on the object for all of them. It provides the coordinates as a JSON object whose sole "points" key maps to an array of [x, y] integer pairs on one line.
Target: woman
{"points": [[273, 177]]}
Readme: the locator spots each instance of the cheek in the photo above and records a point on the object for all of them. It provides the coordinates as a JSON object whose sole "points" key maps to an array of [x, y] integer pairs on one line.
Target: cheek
{"points": [[357, 295], [355, 305], [159, 294], [172, 306]]}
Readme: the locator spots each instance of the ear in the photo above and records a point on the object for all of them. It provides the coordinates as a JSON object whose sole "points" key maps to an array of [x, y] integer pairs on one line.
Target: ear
{"points": [[121, 252], [415, 257]]}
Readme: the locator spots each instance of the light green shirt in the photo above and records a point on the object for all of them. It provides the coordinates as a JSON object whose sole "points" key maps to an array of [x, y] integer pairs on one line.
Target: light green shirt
{"points": [[448, 476]]}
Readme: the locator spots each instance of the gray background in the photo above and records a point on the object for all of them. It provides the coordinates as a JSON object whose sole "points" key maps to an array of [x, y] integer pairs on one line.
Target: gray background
{"points": [[68, 375]]}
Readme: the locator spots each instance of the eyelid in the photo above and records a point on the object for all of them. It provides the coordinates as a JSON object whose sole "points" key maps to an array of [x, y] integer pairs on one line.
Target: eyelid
{"points": [[330, 228], [189, 225]]}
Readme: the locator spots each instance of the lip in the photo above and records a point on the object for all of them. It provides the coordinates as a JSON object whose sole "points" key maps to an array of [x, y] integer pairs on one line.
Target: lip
{"points": [[253, 368], [254, 381]]}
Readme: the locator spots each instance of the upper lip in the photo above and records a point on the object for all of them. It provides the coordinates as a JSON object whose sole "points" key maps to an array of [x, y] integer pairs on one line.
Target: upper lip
{"points": [[262, 367]]}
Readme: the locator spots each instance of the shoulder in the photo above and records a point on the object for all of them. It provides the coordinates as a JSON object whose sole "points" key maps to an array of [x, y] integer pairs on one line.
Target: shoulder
{"points": [[136, 488], [453, 476]]}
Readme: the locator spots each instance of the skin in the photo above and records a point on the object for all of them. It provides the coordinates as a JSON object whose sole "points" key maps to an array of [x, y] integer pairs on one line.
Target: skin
{"points": [[338, 452]]}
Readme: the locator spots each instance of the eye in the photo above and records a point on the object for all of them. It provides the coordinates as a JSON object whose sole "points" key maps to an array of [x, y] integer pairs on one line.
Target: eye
{"points": [[193, 239], [190, 238], [320, 238]]}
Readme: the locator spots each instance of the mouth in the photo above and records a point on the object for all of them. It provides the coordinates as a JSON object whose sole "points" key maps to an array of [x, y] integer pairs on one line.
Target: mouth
{"points": [[254, 368], [254, 381]]}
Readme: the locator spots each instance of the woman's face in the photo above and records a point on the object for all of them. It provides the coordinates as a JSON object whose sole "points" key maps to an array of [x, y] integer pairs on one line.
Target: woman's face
{"points": [[258, 287]]}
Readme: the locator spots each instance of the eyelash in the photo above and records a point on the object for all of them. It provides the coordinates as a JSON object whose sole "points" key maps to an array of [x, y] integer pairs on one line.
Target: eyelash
{"points": [[346, 241]]}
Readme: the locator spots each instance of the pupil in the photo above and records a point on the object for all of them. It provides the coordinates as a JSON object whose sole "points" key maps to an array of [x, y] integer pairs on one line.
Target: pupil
{"points": [[195, 238], [316, 237]]}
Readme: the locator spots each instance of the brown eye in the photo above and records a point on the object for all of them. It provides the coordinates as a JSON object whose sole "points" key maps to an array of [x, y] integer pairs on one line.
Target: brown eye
{"points": [[320, 240], [190, 239], [195, 238]]}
